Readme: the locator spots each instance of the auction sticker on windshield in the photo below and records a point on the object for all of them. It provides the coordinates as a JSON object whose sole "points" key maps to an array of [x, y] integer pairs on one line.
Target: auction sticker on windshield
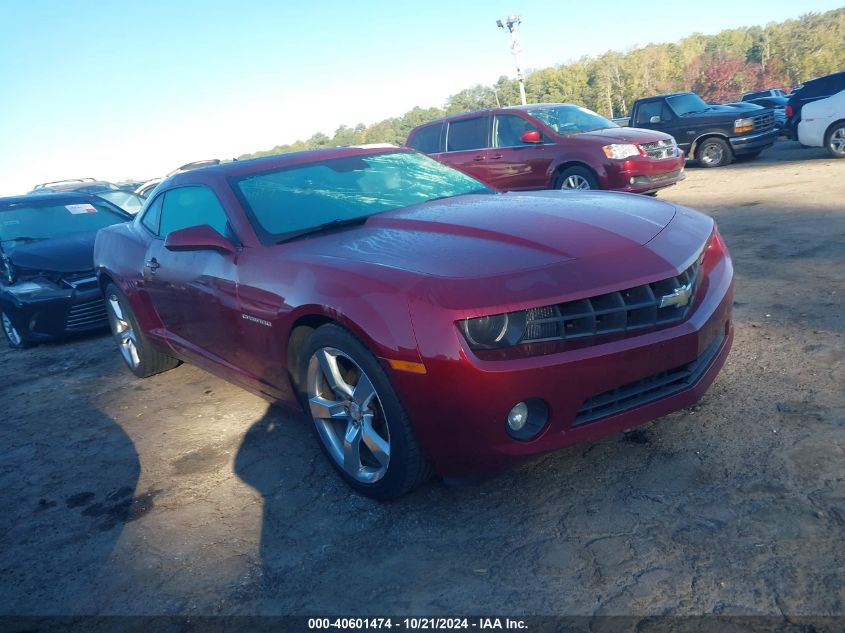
{"points": [[76, 209]]}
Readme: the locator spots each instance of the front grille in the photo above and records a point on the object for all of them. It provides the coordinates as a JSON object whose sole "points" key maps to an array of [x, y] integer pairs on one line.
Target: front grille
{"points": [[647, 180], [648, 389], [86, 316], [763, 122], [660, 149], [658, 303]]}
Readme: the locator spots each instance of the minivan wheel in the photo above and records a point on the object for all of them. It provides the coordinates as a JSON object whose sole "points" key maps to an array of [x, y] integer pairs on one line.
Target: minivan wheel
{"points": [[13, 336], [714, 152], [141, 358], [835, 140], [358, 418], [576, 178]]}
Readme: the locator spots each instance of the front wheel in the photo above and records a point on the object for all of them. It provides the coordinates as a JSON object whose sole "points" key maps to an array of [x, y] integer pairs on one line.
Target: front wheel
{"points": [[358, 418], [141, 358], [13, 336], [835, 140], [576, 178], [714, 152]]}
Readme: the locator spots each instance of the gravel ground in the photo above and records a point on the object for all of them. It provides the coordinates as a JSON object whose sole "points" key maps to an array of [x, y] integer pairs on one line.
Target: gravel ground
{"points": [[182, 494]]}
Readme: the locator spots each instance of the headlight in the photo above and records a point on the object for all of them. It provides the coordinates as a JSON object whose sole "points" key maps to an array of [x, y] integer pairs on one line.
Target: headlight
{"points": [[494, 331], [620, 151], [743, 125], [27, 287]]}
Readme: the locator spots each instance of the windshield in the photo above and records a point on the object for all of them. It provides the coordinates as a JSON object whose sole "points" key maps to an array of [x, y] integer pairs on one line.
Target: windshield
{"points": [[687, 104], [31, 221], [126, 200], [571, 119], [290, 200]]}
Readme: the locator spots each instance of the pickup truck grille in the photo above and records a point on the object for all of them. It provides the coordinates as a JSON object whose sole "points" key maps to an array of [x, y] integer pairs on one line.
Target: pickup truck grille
{"points": [[660, 149], [763, 122], [635, 308]]}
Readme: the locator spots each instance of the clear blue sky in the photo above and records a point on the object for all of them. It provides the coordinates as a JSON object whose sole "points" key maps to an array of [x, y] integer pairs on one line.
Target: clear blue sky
{"points": [[115, 89]]}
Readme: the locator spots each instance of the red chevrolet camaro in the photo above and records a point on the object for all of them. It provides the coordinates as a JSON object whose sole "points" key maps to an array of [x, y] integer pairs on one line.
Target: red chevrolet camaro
{"points": [[422, 320]]}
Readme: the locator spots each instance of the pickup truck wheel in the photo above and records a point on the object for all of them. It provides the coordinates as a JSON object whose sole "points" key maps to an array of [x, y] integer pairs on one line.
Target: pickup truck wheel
{"points": [[576, 178], [834, 140], [713, 152]]}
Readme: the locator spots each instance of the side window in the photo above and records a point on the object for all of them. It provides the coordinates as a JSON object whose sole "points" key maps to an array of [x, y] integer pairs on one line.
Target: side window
{"points": [[467, 134], [427, 139], [508, 130], [666, 113], [152, 215], [648, 110], [192, 206]]}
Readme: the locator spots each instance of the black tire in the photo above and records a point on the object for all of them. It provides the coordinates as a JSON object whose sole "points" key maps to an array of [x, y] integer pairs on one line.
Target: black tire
{"points": [[713, 152], [834, 139], [13, 335], [567, 179], [406, 466], [147, 361]]}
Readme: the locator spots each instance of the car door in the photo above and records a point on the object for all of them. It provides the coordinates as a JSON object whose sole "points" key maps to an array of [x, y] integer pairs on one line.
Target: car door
{"points": [[658, 115], [467, 140], [194, 292], [513, 164]]}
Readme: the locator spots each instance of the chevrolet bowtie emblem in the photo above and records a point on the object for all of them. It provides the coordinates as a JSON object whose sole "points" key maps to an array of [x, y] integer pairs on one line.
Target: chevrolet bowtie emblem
{"points": [[678, 297]]}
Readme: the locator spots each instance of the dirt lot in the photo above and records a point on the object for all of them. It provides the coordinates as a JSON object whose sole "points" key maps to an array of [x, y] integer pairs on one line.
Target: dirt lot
{"points": [[183, 494]]}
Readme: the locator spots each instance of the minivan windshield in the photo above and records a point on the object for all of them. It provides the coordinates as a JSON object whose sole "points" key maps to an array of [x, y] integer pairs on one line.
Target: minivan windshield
{"points": [[570, 119], [292, 201], [24, 222]]}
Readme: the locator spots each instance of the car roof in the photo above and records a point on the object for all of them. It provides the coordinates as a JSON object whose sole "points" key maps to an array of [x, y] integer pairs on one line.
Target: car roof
{"points": [[238, 168], [58, 196]]}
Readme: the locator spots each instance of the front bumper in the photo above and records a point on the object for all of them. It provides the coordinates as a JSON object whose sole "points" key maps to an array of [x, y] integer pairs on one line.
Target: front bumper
{"points": [[463, 430], [41, 316], [753, 142], [644, 176]]}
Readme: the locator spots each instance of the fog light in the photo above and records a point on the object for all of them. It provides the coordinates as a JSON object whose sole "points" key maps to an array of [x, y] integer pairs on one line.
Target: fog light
{"points": [[518, 416], [526, 419]]}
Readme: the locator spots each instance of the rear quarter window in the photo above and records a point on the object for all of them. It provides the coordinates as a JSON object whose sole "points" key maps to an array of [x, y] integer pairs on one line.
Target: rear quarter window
{"points": [[428, 139]]}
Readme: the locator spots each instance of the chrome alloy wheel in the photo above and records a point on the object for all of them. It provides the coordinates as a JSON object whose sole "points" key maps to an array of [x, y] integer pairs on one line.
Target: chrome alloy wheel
{"points": [[836, 142], [348, 415], [575, 181], [11, 331], [124, 333], [712, 154]]}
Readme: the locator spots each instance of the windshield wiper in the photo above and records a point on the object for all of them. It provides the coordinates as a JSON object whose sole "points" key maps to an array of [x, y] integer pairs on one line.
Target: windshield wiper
{"points": [[23, 238], [325, 226]]}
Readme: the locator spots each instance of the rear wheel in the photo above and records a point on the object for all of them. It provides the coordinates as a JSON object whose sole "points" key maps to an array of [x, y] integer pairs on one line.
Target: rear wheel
{"points": [[834, 139], [713, 152], [358, 418], [576, 178], [141, 358], [13, 336]]}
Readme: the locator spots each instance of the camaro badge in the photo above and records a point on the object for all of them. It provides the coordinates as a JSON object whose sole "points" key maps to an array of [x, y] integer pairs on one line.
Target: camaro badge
{"points": [[249, 317], [678, 297]]}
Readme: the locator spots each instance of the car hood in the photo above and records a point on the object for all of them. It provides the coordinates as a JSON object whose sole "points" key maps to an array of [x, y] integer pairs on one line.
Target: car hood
{"points": [[624, 135], [487, 235], [728, 112], [66, 254]]}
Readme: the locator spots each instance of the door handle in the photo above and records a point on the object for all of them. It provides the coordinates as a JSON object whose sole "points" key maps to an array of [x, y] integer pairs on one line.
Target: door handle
{"points": [[152, 265], [478, 158], [496, 157]]}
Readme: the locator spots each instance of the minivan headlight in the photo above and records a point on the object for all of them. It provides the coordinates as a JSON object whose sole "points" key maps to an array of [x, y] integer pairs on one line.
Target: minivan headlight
{"points": [[620, 151]]}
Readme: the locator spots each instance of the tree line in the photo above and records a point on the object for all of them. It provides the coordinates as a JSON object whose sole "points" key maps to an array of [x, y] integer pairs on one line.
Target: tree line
{"points": [[718, 67]]}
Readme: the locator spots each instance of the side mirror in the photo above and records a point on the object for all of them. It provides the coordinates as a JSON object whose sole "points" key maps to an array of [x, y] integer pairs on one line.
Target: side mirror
{"points": [[198, 238], [531, 136], [654, 119]]}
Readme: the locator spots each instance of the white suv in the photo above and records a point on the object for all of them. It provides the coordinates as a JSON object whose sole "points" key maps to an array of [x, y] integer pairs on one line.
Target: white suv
{"points": [[823, 124]]}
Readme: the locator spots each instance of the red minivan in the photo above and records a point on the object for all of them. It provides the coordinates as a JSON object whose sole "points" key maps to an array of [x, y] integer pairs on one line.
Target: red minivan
{"points": [[551, 146]]}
